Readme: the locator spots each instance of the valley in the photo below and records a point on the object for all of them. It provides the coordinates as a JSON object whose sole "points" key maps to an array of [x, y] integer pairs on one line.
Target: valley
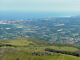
{"points": [[65, 30]]}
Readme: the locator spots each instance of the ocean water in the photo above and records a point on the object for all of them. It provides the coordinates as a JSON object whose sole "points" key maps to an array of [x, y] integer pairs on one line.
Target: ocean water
{"points": [[33, 15]]}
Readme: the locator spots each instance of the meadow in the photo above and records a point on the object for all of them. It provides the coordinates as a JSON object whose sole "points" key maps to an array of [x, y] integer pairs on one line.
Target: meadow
{"points": [[22, 49]]}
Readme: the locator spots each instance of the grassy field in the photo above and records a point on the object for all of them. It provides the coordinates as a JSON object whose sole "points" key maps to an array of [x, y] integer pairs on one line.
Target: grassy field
{"points": [[23, 56], [31, 45], [34, 43], [75, 34]]}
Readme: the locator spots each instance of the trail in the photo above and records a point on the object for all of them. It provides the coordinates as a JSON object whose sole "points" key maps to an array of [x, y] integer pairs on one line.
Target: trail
{"points": [[1, 57], [63, 57]]}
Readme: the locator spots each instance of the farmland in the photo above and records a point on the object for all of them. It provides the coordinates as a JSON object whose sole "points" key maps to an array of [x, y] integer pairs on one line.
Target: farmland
{"points": [[65, 30]]}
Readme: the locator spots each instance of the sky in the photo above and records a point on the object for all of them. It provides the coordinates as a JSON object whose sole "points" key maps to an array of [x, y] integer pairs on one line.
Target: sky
{"points": [[10, 9], [40, 5]]}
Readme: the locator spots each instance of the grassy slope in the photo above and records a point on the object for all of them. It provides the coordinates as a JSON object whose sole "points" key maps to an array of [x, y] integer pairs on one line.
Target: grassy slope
{"points": [[31, 44], [23, 56]]}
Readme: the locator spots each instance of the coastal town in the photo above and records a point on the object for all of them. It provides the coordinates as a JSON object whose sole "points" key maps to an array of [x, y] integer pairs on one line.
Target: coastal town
{"points": [[48, 29]]}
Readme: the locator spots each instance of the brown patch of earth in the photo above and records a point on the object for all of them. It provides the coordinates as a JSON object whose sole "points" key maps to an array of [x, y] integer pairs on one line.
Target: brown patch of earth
{"points": [[1, 57]]}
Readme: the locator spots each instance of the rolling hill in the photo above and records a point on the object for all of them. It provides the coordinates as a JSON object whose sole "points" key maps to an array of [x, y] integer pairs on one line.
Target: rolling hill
{"points": [[34, 49]]}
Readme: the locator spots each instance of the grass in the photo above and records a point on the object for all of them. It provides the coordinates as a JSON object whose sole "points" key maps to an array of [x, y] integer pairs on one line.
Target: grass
{"points": [[18, 26], [69, 57], [60, 30], [19, 42], [44, 27], [34, 43], [64, 48], [75, 34], [59, 24], [57, 48], [23, 56], [31, 45]]}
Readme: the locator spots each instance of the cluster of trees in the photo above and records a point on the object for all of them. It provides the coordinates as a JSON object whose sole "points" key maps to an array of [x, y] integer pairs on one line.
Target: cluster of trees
{"points": [[41, 53], [1, 45], [63, 52], [10, 45]]}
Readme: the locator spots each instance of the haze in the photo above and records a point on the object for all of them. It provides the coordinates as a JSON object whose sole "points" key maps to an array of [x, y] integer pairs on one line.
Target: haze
{"points": [[64, 7]]}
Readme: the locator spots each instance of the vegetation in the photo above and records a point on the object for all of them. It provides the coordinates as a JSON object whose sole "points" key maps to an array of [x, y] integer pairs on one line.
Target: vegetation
{"points": [[34, 49], [64, 52], [65, 30]]}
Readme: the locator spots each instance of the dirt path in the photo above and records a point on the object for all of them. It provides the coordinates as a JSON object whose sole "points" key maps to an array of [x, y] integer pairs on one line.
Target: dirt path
{"points": [[63, 57], [1, 57]]}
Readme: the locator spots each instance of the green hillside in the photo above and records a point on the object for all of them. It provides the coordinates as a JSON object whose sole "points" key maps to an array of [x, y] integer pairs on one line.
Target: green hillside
{"points": [[24, 48]]}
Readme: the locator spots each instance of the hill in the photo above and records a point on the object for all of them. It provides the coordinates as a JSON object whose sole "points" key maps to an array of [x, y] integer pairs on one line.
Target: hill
{"points": [[34, 49]]}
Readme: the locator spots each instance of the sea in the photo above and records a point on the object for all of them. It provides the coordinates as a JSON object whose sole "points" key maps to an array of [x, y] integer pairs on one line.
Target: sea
{"points": [[7, 15]]}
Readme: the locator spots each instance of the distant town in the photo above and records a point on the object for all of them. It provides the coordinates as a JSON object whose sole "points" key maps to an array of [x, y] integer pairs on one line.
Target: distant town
{"points": [[65, 30]]}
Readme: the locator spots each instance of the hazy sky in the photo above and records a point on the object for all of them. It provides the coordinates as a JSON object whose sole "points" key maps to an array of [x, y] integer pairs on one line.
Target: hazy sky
{"points": [[40, 5]]}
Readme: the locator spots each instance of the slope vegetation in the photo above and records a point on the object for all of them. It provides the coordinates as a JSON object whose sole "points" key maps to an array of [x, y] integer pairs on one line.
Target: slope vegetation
{"points": [[34, 49]]}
